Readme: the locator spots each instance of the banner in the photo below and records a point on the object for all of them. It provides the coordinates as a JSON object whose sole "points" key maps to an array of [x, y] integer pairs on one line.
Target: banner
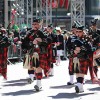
{"points": [[61, 3], [66, 4]]}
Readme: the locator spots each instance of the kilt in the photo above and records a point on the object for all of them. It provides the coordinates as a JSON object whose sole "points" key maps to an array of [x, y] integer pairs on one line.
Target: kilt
{"points": [[91, 66], [3, 62], [83, 65], [51, 58], [43, 61]]}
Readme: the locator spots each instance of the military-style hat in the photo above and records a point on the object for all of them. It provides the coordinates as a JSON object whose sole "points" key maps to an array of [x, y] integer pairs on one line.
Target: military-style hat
{"points": [[80, 27], [36, 20], [94, 21]]}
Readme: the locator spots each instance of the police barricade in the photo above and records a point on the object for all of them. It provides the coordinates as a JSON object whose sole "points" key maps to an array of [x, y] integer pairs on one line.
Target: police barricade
{"points": [[15, 52]]}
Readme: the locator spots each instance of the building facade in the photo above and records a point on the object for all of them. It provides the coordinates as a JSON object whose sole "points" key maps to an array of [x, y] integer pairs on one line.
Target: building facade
{"points": [[60, 14]]}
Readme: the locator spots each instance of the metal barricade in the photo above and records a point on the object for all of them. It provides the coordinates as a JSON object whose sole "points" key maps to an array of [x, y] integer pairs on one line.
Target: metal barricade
{"points": [[15, 52]]}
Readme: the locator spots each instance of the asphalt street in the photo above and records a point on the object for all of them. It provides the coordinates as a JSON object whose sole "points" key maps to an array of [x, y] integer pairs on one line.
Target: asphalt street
{"points": [[53, 88]]}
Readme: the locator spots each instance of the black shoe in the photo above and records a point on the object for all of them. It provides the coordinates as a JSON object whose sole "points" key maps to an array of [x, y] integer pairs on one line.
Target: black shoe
{"points": [[34, 78], [37, 88], [76, 89], [70, 83], [30, 81]]}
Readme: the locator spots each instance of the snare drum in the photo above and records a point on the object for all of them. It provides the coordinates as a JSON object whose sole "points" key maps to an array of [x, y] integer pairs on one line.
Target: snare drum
{"points": [[96, 58]]}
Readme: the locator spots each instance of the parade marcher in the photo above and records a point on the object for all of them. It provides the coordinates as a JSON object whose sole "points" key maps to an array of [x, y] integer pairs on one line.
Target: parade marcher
{"points": [[94, 32], [80, 59], [60, 45], [31, 44], [51, 38], [5, 42], [69, 47]]}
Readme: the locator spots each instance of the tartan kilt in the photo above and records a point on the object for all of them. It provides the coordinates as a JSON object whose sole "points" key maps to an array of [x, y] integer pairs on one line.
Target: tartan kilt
{"points": [[40, 60], [83, 66], [51, 58], [3, 62], [43, 61]]}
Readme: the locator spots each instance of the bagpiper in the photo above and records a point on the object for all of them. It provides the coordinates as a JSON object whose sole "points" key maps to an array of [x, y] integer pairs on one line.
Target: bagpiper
{"points": [[5, 42], [94, 33], [51, 38], [69, 48], [80, 59], [31, 45]]}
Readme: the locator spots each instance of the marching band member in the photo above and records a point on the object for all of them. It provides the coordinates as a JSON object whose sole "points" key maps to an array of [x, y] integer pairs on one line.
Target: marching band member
{"points": [[5, 42], [69, 42], [80, 59], [31, 44], [94, 32], [51, 37]]}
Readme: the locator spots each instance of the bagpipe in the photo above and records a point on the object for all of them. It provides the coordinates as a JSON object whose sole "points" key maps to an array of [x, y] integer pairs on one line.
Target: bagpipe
{"points": [[27, 42], [95, 34], [83, 44], [4, 41]]}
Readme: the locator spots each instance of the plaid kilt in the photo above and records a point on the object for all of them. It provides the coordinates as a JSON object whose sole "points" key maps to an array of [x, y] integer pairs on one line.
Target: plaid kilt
{"points": [[51, 58], [83, 66], [3, 62], [43, 61]]}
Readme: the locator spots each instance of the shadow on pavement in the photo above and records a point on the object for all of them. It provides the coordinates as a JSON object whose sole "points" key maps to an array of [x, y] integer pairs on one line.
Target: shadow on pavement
{"points": [[23, 80], [20, 82], [69, 95], [95, 89], [18, 93], [15, 84], [62, 87]]}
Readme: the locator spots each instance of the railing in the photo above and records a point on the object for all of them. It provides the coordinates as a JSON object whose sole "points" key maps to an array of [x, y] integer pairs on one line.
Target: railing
{"points": [[15, 52]]}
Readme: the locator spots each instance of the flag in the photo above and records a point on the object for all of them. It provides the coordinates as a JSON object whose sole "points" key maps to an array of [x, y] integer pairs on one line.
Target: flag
{"points": [[66, 5], [61, 3]]}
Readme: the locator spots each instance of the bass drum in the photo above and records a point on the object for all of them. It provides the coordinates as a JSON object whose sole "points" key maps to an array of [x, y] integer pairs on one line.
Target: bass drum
{"points": [[96, 58]]}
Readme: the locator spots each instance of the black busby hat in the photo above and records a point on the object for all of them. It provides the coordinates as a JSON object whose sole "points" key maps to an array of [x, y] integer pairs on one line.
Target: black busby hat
{"points": [[80, 27], [36, 20], [94, 21]]}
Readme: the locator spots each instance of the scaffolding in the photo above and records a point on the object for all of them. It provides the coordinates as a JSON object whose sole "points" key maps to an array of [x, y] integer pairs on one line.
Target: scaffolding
{"points": [[44, 10], [24, 12], [78, 11], [20, 12]]}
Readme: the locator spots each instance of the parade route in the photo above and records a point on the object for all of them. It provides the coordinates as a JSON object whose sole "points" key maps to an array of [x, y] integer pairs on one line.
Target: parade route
{"points": [[53, 88]]}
